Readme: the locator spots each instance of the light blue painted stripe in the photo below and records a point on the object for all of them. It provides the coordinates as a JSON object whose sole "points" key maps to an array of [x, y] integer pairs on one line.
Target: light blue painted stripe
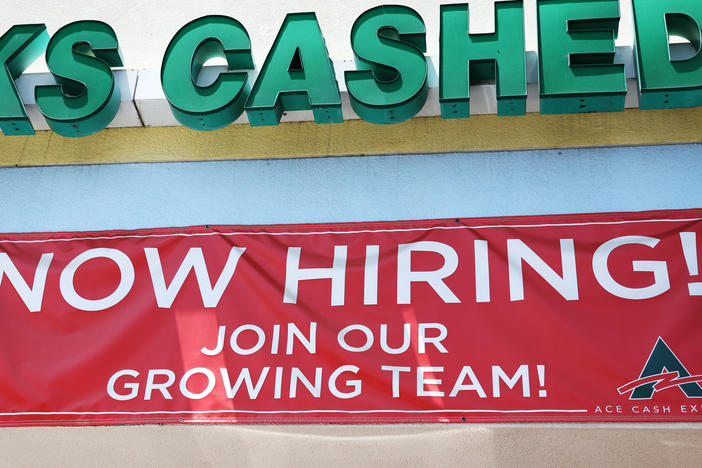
{"points": [[79, 198]]}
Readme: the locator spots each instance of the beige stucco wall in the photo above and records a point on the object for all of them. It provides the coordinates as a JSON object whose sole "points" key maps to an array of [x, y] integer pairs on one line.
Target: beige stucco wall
{"points": [[676, 445]]}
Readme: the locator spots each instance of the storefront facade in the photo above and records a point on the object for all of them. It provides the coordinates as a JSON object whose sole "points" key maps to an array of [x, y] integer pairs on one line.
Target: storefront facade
{"points": [[146, 170]]}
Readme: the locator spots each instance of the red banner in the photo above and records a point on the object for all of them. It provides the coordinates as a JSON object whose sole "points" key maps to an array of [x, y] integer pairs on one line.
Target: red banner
{"points": [[552, 318]]}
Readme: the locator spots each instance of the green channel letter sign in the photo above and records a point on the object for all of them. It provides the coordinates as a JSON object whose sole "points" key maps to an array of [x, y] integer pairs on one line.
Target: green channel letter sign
{"points": [[213, 106], [466, 58], [390, 81], [80, 56], [19, 47], [578, 71], [297, 75], [665, 82]]}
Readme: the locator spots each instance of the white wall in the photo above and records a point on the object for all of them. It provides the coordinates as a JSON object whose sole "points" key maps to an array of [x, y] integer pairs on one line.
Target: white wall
{"points": [[144, 28]]}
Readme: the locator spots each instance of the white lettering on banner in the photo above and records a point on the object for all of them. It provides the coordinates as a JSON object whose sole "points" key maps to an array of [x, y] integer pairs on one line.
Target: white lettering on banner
{"points": [[422, 338], [126, 384], [126, 271], [131, 386], [370, 277], [275, 340], [518, 256], [422, 381], [460, 386], [435, 340], [234, 343], [688, 242], [395, 377], [499, 375], [355, 384], [278, 392], [482, 271], [151, 384], [407, 330], [315, 389], [435, 278], [194, 259], [210, 383], [294, 274], [427, 334], [231, 391], [308, 342], [341, 338], [661, 281], [220, 343], [566, 286], [244, 377], [33, 297]]}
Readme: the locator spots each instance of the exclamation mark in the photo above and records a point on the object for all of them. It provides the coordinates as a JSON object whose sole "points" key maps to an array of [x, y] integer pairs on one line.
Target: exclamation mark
{"points": [[689, 246], [541, 369]]}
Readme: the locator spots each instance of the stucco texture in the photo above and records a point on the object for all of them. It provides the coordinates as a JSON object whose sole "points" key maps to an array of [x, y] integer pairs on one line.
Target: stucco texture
{"points": [[358, 445]]}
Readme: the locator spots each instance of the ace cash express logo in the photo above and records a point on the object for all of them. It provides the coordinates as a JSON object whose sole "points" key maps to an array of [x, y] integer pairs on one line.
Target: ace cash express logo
{"points": [[663, 371]]}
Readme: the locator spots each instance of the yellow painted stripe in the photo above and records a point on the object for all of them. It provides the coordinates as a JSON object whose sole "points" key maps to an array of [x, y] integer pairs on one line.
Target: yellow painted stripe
{"points": [[355, 137]]}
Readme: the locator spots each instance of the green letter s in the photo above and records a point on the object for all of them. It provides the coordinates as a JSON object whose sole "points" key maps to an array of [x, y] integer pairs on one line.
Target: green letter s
{"points": [[86, 99], [390, 84]]}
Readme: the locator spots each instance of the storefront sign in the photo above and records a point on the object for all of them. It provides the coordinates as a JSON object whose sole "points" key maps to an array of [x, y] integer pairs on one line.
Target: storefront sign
{"points": [[577, 70], [554, 318]]}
